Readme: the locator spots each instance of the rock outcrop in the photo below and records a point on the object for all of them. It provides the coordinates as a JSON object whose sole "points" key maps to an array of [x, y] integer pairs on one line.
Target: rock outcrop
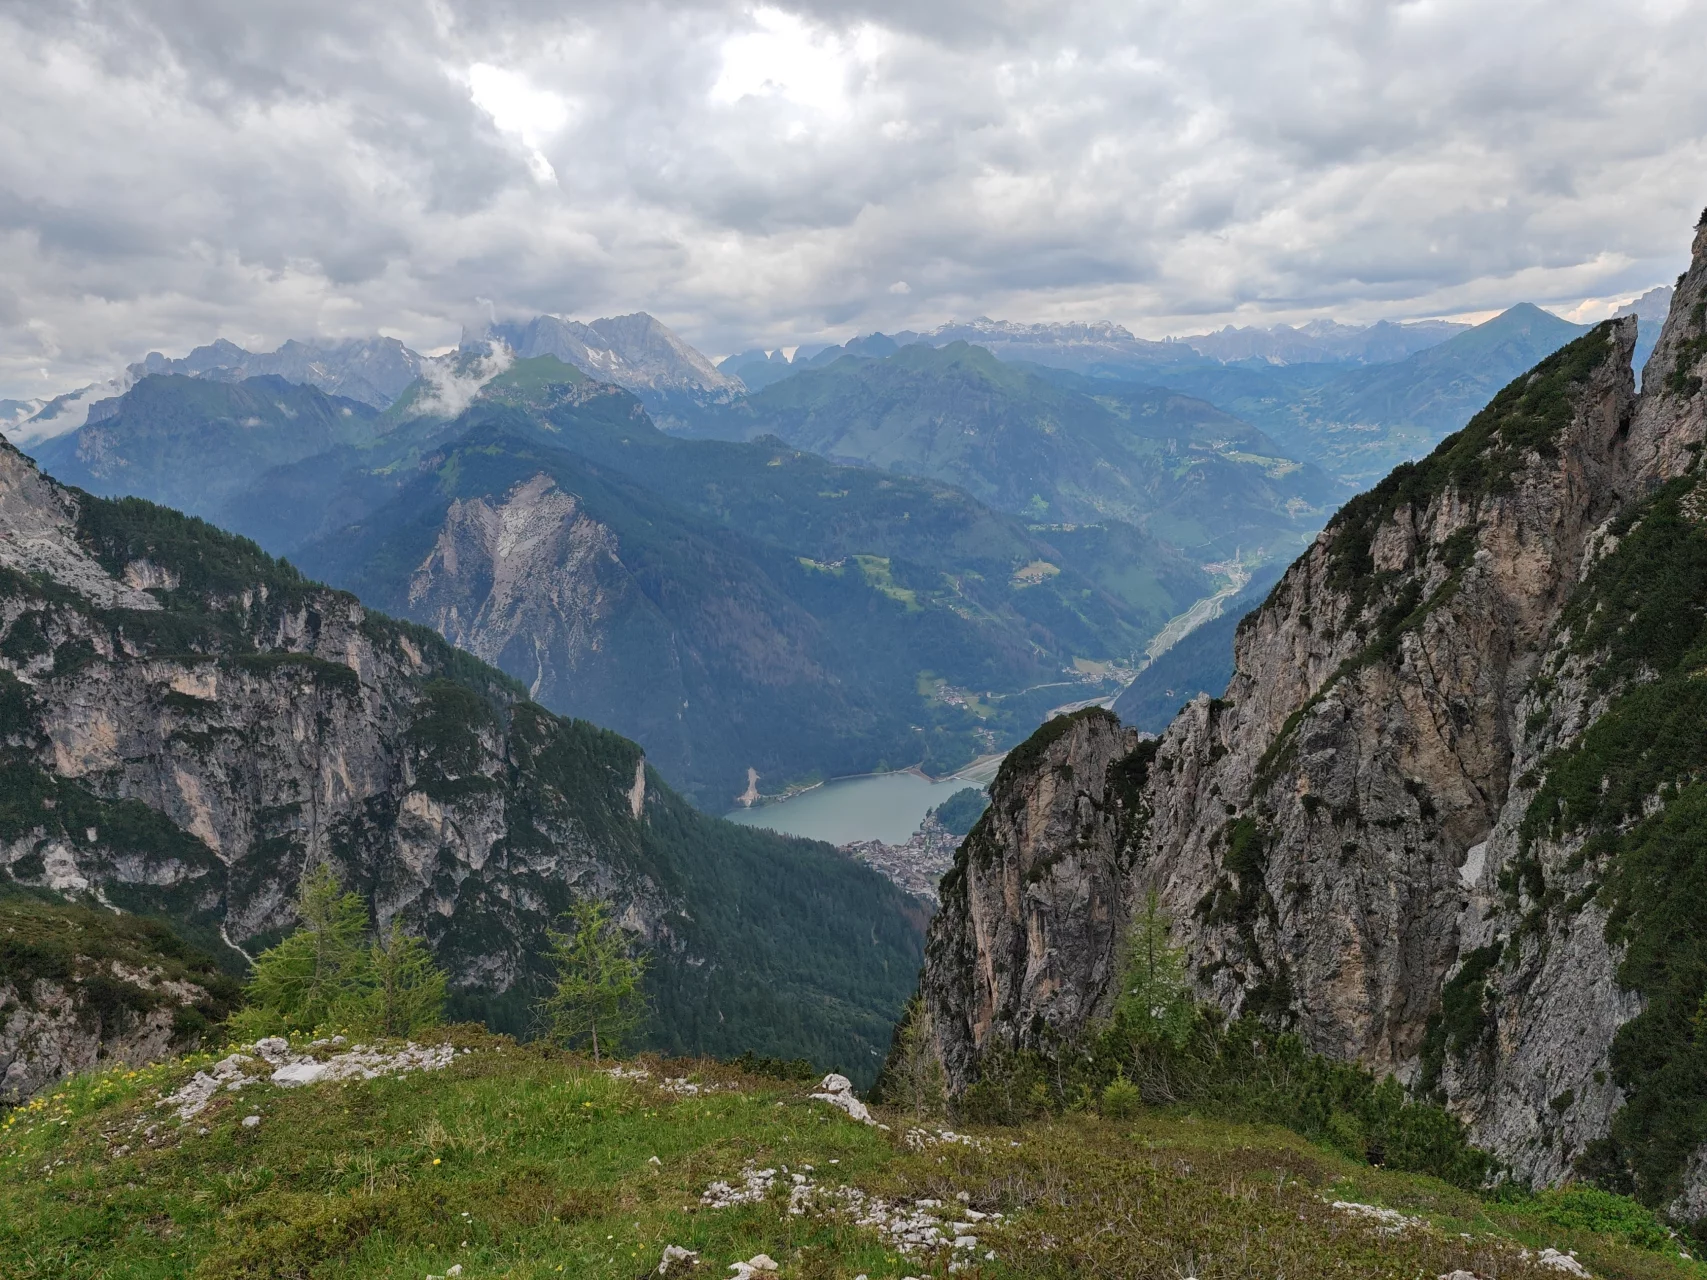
{"points": [[1367, 838], [82, 988], [1024, 948]]}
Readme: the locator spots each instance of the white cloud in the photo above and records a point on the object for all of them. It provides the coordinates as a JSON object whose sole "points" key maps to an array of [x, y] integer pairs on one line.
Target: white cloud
{"points": [[456, 378], [533, 116], [789, 58], [176, 170]]}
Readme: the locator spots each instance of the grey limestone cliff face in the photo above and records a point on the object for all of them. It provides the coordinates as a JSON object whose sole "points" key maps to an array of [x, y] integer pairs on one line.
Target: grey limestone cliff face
{"points": [[528, 581], [1337, 839], [1364, 745], [1024, 950]]}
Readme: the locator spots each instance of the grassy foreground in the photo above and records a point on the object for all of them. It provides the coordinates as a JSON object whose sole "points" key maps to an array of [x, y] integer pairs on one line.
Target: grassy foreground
{"points": [[518, 1162]]}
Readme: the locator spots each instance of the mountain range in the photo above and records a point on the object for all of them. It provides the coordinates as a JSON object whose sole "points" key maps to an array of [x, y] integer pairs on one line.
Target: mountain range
{"points": [[1048, 446], [750, 612], [1110, 350], [634, 351], [1095, 501], [1360, 422]]}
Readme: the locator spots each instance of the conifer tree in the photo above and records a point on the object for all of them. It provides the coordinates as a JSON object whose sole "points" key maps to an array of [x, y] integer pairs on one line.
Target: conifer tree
{"points": [[317, 976], [408, 989], [1154, 1003], [597, 998], [328, 974], [914, 1079]]}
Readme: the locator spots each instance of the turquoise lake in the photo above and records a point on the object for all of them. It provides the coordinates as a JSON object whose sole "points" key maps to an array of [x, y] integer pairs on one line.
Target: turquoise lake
{"points": [[878, 806]]}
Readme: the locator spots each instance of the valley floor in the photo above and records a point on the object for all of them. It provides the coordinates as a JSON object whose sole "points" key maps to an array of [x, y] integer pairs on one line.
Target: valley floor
{"points": [[513, 1161]]}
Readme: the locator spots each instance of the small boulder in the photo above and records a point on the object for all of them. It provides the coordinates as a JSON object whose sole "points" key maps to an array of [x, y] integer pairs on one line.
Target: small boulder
{"points": [[838, 1092], [297, 1073], [673, 1254]]}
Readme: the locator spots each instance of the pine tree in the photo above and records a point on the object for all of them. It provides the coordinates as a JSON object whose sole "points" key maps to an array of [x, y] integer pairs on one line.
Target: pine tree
{"points": [[408, 989], [328, 974], [914, 1079], [318, 976], [597, 998], [1154, 1003]]}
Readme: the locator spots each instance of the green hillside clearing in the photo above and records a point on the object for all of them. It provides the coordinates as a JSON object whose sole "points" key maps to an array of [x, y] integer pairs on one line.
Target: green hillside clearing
{"points": [[517, 1162]]}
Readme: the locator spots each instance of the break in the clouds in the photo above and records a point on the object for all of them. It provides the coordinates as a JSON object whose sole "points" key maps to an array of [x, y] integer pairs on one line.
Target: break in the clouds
{"points": [[176, 170]]}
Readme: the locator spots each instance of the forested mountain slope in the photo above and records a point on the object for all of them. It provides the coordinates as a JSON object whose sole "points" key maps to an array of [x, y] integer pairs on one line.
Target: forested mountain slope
{"points": [[1051, 446], [189, 723], [198, 445]]}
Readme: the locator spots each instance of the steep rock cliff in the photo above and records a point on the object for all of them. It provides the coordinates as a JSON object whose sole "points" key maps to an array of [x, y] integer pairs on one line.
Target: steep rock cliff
{"points": [[188, 723], [1024, 949], [1432, 823]]}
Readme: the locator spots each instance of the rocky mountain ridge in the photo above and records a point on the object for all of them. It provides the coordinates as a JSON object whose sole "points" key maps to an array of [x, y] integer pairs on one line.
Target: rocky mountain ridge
{"points": [[635, 352], [1438, 819]]}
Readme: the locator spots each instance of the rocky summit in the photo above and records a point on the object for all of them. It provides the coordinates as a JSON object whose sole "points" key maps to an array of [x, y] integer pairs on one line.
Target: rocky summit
{"points": [[1448, 819]]}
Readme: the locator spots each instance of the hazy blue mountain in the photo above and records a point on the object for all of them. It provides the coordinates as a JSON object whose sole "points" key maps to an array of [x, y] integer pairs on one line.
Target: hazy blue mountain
{"points": [[1361, 422], [1202, 661], [1650, 311], [1101, 348], [757, 369], [1055, 448], [739, 606], [730, 605], [1324, 342], [1110, 350], [196, 443], [372, 370]]}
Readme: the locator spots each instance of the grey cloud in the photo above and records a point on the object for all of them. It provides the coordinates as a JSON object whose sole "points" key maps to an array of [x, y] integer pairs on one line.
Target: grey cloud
{"points": [[176, 170]]}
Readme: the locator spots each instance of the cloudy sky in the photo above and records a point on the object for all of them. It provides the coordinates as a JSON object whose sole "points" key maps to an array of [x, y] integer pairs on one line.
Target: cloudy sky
{"points": [[176, 170]]}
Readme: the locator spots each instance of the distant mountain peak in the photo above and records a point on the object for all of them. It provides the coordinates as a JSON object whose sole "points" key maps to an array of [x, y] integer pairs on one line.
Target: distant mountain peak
{"points": [[1049, 331], [372, 370], [637, 351]]}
